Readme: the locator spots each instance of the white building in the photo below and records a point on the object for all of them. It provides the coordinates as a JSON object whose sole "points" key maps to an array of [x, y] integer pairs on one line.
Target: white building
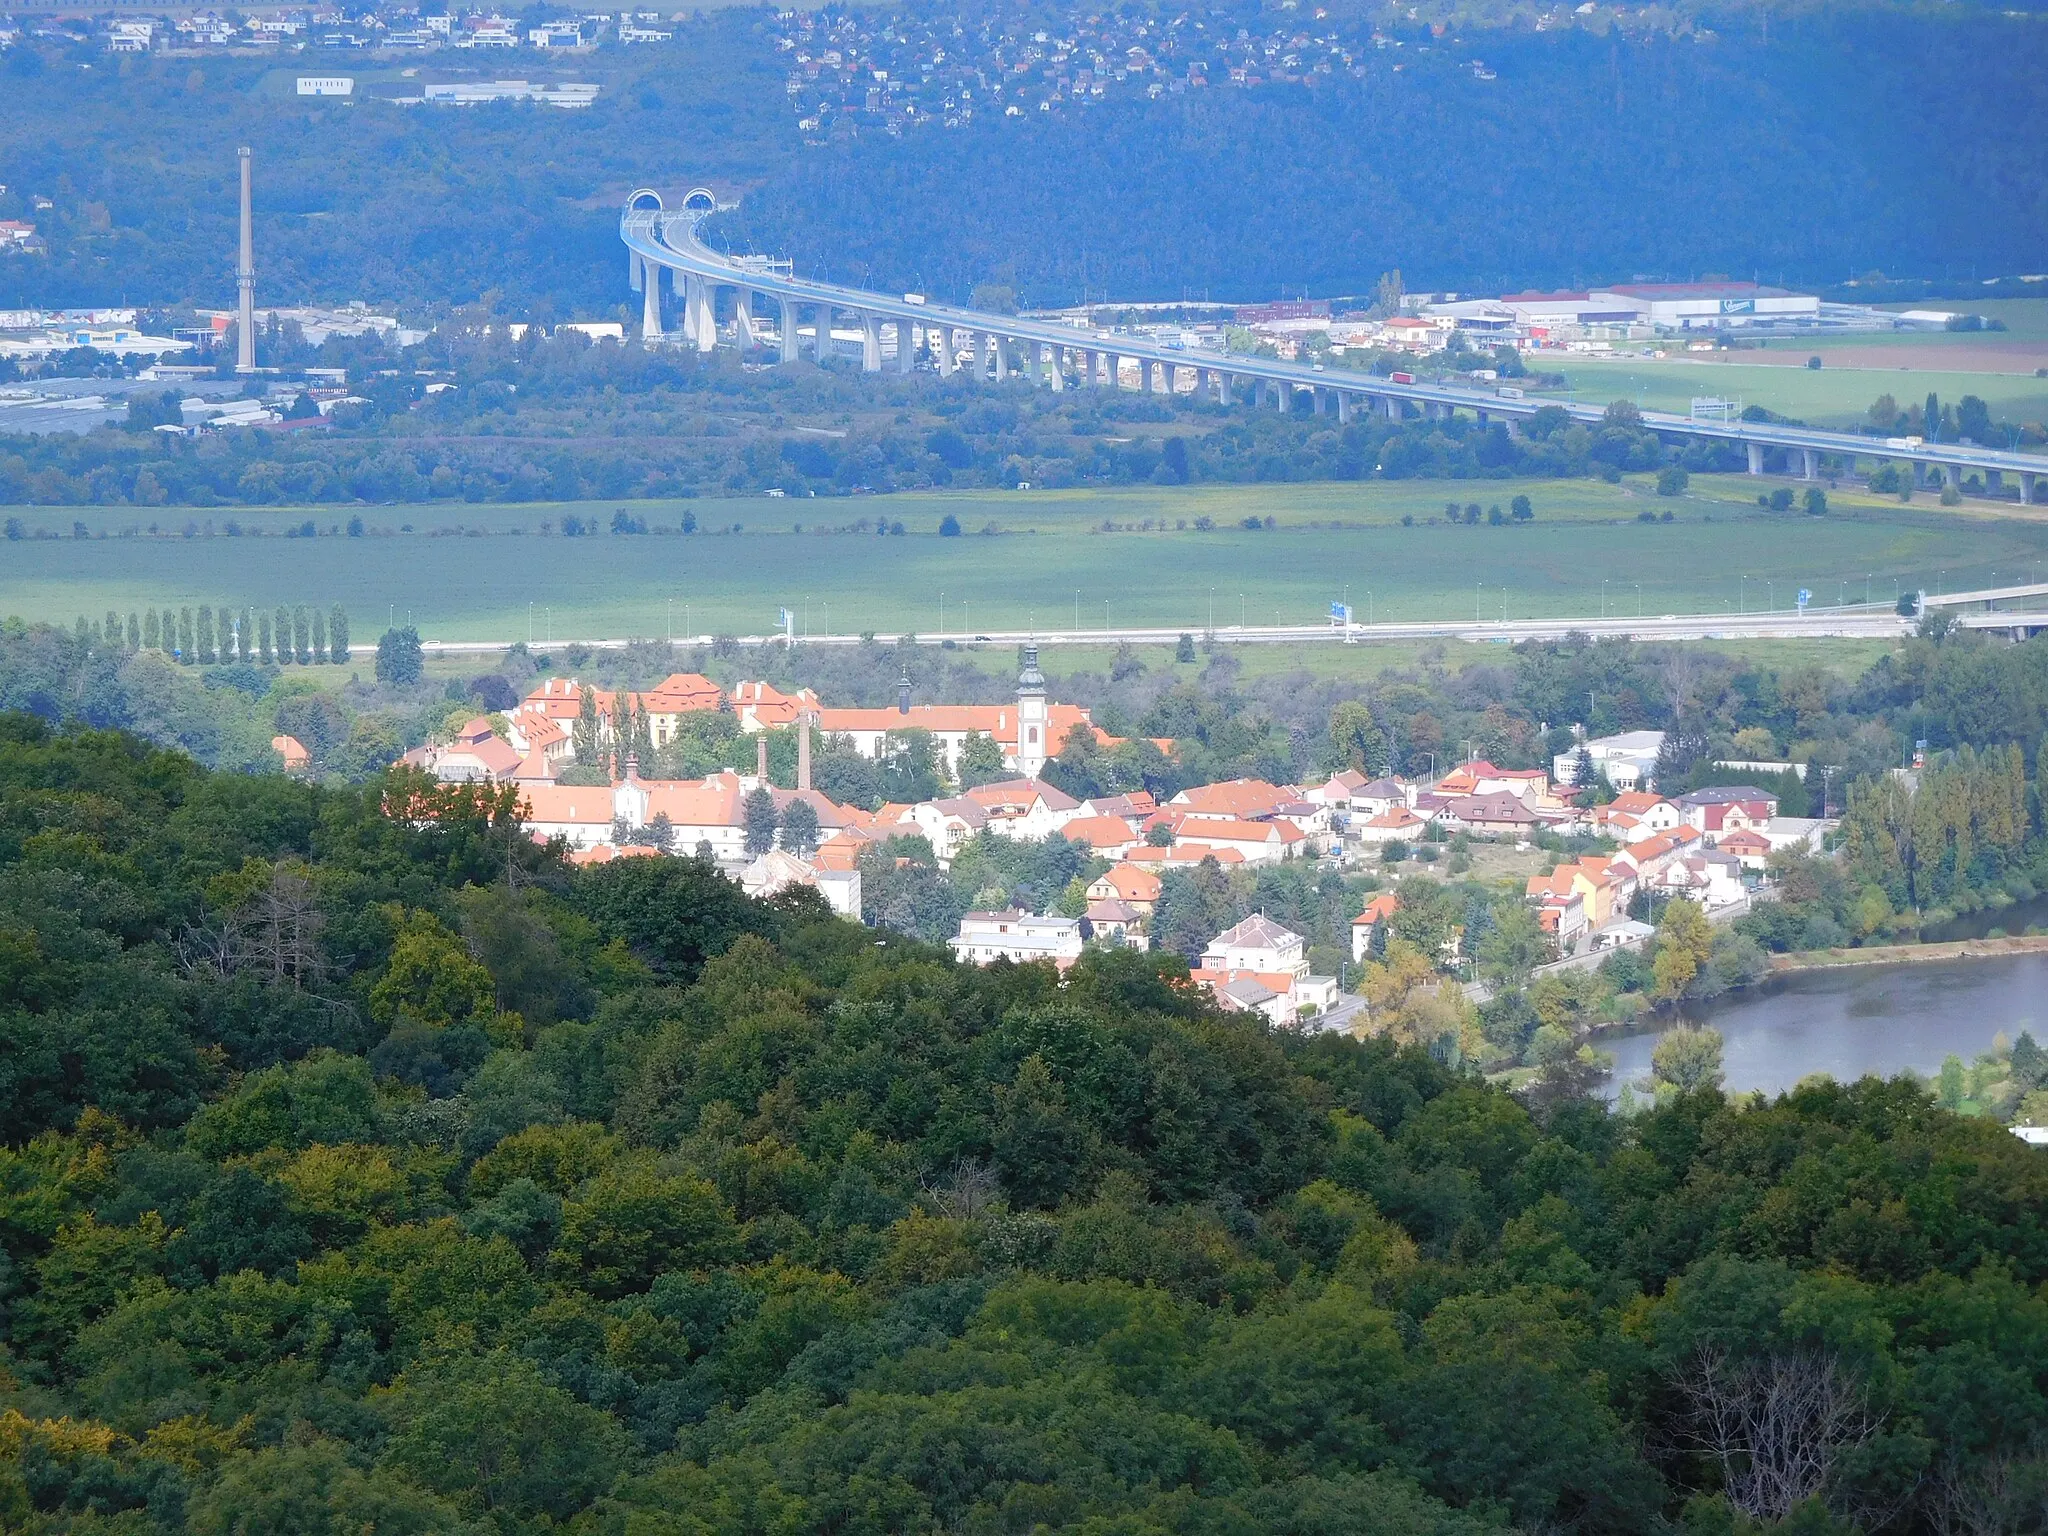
{"points": [[776, 871], [1710, 306], [1257, 944], [1627, 759], [326, 85], [1014, 934]]}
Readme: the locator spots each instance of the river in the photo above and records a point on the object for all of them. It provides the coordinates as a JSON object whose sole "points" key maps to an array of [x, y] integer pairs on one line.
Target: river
{"points": [[1852, 1020]]}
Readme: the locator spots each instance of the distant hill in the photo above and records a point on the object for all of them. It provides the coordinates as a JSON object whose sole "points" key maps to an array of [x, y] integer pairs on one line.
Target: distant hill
{"points": [[1851, 142]]}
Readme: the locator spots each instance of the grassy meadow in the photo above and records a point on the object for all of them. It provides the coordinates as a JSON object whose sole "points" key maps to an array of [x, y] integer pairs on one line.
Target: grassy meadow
{"points": [[1837, 395], [465, 572], [1998, 366]]}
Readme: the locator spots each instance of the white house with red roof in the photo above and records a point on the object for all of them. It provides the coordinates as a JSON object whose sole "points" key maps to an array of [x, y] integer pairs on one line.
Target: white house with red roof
{"points": [[1276, 958], [1256, 842], [1109, 837], [1136, 887], [581, 815], [1396, 824], [1027, 808], [1232, 800], [1729, 808], [1377, 911]]}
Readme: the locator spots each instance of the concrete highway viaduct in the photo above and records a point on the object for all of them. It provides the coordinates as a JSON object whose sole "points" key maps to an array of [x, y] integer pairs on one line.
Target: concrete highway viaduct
{"points": [[887, 330]]}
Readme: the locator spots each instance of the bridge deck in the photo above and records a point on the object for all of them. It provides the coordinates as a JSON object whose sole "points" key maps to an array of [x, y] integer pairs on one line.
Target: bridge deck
{"points": [[669, 239]]}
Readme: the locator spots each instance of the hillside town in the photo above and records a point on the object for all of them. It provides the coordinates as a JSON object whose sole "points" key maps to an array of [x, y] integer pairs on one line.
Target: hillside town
{"points": [[575, 754]]}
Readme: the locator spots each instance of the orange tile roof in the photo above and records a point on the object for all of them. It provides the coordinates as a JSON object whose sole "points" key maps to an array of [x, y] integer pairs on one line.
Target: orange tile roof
{"points": [[1099, 831], [714, 802], [1132, 883], [567, 804], [1380, 908], [1237, 799], [998, 721], [604, 853], [681, 692]]}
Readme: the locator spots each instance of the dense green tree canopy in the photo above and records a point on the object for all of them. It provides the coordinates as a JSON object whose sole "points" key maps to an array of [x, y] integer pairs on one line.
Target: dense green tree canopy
{"points": [[742, 1221]]}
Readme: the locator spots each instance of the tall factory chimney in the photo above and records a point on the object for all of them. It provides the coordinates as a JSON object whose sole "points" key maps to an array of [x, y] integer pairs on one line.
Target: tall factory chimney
{"points": [[245, 281]]}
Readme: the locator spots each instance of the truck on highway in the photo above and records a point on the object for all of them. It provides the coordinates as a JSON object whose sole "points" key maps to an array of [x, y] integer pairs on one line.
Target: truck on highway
{"points": [[1401, 378], [1904, 442], [1509, 392], [913, 298]]}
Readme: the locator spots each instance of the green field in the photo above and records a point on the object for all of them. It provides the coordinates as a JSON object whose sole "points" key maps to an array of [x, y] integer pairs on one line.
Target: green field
{"points": [[1049, 563], [1835, 396]]}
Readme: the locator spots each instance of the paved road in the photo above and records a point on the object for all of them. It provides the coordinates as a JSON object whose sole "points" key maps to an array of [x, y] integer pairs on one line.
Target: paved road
{"points": [[1848, 623]]}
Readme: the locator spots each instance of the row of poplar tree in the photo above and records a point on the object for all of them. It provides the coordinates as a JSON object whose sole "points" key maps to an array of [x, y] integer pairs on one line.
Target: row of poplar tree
{"points": [[205, 637]]}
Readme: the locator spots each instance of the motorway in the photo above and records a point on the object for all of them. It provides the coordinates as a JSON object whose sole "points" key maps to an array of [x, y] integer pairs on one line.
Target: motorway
{"points": [[1855, 623], [668, 240]]}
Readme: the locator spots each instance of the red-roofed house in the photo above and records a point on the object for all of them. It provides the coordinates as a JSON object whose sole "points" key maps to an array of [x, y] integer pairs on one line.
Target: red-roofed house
{"points": [[1233, 800], [477, 753], [1109, 836], [1256, 842], [1739, 808], [1377, 911], [1136, 888], [296, 758], [581, 814]]}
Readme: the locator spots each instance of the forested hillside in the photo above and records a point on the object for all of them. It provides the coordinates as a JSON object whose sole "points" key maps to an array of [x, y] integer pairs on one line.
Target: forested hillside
{"points": [[377, 1173], [1851, 140]]}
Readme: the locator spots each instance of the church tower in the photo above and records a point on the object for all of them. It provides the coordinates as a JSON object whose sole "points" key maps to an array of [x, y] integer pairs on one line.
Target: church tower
{"points": [[1032, 729]]}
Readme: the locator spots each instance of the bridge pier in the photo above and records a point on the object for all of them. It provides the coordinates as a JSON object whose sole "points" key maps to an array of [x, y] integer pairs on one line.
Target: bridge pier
{"points": [[1390, 407], [707, 318], [743, 320], [941, 343], [1951, 477], [650, 301], [1756, 457], [1002, 358], [906, 346], [2026, 482], [1286, 399], [823, 338], [1056, 371], [1809, 464], [1343, 408], [870, 343], [788, 327]]}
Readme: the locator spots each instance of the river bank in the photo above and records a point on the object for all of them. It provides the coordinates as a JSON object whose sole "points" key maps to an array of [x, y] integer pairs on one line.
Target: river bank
{"points": [[1853, 1018], [1911, 954]]}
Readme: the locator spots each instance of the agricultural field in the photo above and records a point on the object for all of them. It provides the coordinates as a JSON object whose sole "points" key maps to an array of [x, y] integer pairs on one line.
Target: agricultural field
{"points": [[2001, 367], [1050, 559], [1856, 372]]}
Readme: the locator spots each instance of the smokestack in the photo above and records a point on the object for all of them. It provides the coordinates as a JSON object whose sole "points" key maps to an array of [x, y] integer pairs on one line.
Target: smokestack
{"points": [[803, 749], [903, 694], [245, 280], [761, 759]]}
